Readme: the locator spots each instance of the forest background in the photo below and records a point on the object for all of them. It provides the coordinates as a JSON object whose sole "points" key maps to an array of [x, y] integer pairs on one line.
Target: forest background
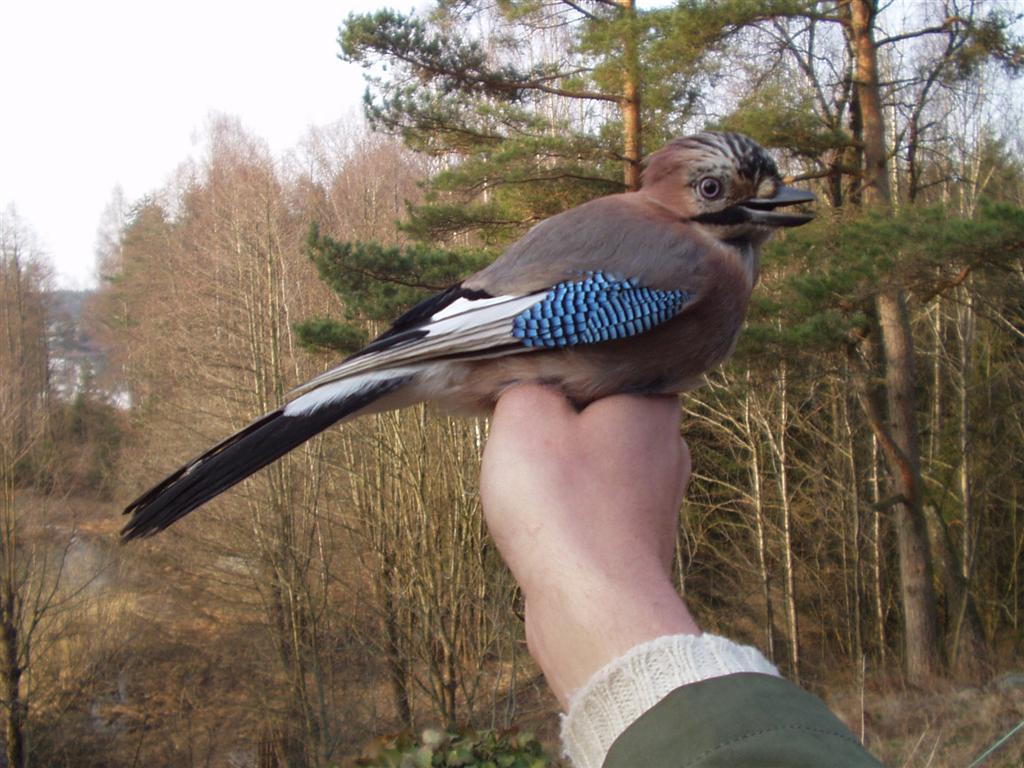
{"points": [[856, 507]]}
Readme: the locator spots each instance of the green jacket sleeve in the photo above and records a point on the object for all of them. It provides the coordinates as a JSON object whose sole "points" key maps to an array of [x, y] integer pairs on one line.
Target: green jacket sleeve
{"points": [[741, 721]]}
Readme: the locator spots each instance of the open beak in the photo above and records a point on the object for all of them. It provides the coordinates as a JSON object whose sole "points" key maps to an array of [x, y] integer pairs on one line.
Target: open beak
{"points": [[761, 210]]}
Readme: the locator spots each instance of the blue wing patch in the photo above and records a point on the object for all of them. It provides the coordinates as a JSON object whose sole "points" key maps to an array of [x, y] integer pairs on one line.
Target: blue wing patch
{"points": [[597, 308]]}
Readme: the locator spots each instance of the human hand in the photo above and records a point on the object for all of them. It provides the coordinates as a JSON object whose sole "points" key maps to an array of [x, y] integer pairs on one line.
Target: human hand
{"points": [[584, 507]]}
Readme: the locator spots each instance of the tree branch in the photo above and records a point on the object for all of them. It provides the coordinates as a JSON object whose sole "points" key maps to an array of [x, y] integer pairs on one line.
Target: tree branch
{"points": [[945, 286], [576, 7], [936, 30]]}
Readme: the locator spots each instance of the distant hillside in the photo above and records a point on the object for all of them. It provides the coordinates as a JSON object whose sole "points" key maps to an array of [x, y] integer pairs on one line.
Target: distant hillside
{"points": [[75, 356]]}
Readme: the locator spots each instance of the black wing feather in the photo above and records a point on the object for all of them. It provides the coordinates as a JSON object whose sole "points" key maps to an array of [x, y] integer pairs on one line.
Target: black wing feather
{"points": [[407, 327]]}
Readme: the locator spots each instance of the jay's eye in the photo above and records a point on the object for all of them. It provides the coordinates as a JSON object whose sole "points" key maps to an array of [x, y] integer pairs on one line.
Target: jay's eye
{"points": [[710, 188]]}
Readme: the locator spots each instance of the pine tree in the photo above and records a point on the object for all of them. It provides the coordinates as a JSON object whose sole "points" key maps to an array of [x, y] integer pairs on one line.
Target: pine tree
{"points": [[536, 107]]}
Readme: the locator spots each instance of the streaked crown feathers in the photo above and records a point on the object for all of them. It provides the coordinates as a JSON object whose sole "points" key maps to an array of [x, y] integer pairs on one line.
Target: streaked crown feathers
{"points": [[711, 151]]}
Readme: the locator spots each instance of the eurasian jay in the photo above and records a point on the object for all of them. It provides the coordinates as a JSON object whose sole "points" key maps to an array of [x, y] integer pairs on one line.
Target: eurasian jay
{"points": [[636, 292]]}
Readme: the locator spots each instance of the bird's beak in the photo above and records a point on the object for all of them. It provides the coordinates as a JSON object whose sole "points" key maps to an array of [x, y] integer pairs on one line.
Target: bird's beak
{"points": [[761, 210]]}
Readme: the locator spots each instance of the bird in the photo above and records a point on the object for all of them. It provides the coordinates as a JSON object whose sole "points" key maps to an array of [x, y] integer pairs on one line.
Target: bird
{"points": [[640, 292]]}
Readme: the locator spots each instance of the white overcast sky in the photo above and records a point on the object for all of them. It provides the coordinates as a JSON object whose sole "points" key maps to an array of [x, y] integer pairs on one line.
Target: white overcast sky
{"points": [[113, 92]]}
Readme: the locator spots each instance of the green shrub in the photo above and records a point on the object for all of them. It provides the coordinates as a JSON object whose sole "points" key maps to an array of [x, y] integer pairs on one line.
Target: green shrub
{"points": [[486, 749]]}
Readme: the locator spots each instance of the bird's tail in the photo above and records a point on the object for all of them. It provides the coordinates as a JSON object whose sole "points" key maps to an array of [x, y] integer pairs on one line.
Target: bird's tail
{"points": [[252, 448]]}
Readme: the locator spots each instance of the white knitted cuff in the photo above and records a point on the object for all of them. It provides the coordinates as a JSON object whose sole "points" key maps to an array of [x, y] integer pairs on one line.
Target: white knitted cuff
{"points": [[628, 686]]}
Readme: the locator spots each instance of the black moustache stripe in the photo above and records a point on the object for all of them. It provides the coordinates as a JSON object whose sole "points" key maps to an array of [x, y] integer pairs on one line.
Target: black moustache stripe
{"points": [[732, 215]]}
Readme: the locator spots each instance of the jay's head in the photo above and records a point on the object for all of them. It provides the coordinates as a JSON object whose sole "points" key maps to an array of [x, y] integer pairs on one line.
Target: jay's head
{"points": [[726, 182]]}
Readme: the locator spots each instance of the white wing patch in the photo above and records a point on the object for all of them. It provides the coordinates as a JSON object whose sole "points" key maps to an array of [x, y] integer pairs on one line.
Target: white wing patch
{"points": [[341, 389], [462, 305], [479, 313], [466, 326]]}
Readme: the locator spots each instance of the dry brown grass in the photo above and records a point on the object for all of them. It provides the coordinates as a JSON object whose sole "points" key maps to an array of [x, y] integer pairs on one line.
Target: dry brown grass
{"points": [[946, 727]]}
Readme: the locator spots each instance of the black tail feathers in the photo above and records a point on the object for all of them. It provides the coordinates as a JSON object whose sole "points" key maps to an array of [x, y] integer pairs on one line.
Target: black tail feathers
{"points": [[234, 459]]}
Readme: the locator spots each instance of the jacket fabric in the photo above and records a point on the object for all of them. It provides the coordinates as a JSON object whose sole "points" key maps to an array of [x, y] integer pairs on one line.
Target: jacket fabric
{"points": [[744, 720]]}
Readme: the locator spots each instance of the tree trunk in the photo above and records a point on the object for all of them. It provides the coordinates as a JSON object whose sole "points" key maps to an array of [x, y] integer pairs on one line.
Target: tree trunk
{"points": [[875, 181], [15, 708], [938, 380], [920, 639], [856, 619], [787, 528], [900, 437], [855, 195], [757, 500], [913, 166], [876, 541], [398, 672], [632, 145], [1018, 549], [966, 641]]}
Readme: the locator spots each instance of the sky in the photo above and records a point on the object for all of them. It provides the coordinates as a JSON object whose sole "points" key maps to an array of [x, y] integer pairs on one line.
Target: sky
{"points": [[111, 93]]}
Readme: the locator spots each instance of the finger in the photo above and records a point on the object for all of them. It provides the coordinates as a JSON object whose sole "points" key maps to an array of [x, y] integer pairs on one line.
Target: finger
{"points": [[533, 404]]}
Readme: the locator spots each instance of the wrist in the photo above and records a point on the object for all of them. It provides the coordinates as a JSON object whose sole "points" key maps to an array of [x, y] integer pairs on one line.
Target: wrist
{"points": [[572, 632], [623, 690]]}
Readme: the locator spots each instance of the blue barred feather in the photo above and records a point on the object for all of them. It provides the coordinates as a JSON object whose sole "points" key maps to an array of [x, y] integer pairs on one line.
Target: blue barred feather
{"points": [[597, 308]]}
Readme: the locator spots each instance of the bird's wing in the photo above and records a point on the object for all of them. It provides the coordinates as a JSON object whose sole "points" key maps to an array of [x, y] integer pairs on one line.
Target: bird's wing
{"points": [[610, 269], [588, 309]]}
